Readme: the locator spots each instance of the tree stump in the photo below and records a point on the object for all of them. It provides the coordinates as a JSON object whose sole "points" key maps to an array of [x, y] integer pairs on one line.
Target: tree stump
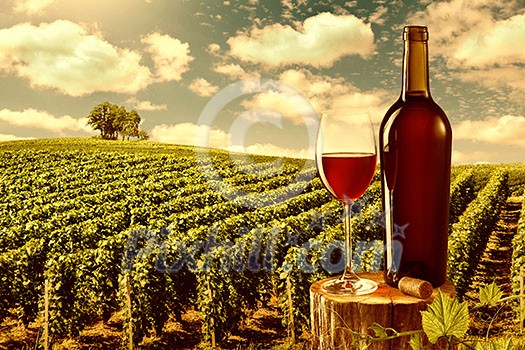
{"points": [[333, 316]]}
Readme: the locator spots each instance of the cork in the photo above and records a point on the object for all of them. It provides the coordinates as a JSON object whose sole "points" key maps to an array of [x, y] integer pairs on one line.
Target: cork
{"points": [[415, 287]]}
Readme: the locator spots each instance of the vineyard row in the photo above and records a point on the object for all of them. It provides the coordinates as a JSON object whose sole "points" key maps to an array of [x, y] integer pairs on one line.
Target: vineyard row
{"points": [[236, 256]]}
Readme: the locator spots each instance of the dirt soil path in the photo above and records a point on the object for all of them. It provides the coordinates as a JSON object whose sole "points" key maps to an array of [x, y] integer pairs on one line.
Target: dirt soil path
{"points": [[495, 267]]}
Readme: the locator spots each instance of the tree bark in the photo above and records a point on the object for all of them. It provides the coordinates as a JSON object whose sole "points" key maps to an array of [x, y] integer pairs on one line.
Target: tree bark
{"points": [[333, 318]]}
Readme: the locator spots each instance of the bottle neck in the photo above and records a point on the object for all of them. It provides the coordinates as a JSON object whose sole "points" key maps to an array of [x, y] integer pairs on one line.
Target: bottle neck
{"points": [[415, 69]]}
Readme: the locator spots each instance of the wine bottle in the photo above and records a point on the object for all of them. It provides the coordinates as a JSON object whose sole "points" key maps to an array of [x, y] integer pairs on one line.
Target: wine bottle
{"points": [[415, 141]]}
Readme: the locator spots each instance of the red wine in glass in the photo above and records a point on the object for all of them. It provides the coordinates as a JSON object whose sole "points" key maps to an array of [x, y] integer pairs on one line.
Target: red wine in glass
{"points": [[348, 175], [346, 159]]}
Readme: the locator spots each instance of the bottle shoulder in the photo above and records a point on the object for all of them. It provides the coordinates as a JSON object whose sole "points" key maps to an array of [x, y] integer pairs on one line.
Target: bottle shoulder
{"points": [[409, 105], [416, 101]]}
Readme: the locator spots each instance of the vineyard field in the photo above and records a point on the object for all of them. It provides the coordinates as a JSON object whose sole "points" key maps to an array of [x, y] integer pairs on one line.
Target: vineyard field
{"points": [[112, 244]]}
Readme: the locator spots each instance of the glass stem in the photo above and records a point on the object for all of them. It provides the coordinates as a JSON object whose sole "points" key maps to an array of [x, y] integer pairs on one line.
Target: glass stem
{"points": [[348, 274]]}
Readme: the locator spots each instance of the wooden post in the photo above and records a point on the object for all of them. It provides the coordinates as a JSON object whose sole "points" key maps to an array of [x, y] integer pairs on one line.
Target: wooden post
{"points": [[212, 320], [522, 295], [291, 320], [130, 312], [46, 314], [334, 318]]}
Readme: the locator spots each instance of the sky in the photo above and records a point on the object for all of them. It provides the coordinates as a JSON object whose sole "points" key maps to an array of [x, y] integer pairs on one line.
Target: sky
{"points": [[251, 75]]}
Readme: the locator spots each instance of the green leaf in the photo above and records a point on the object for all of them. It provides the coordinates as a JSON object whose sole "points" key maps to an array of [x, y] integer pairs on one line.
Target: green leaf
{"points": [[416, 342], [490, 295], [498, 344], [446, 317], [379, 330]]}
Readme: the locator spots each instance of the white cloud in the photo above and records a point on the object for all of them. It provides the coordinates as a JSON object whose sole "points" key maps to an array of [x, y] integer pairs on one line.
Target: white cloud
{"points": [[202, 87], [320, 41], [321, 92], [233, 71], [505, 130], [145, 105], [449, 20], [170, 55], [31, 7], [214, 48], [185, 134], [270, 149], [31, 118], [64, 56], [376, 102], [476, 157], [482, 38], [277, 105], [511, 76], [377, 17], [500, 43], [9, 137]]}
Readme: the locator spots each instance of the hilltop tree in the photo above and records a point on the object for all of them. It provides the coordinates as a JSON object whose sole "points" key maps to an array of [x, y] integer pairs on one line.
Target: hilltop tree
{"points": [[128, 123], [102, 118], [143, 135], [112, 121]]}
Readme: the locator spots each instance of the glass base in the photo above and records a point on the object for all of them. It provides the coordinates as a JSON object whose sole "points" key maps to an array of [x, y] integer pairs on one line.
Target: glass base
{"points": [[349, 286]]}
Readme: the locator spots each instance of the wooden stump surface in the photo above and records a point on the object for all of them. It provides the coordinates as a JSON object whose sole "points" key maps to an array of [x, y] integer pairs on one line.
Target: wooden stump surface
{"points": [[332, 316]]}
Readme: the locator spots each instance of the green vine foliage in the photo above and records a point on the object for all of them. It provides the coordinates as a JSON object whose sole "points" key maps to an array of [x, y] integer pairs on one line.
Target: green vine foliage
{"points": [[7, 263], [445, 322], [295, 284], [66, 215], [471, 233], [22, 280], [180, 278], [445, 318], [103, 279], [306, 262], [68, 307], [220, 303], [518, 251], [28, 280], [462, 192], [147, 289]]}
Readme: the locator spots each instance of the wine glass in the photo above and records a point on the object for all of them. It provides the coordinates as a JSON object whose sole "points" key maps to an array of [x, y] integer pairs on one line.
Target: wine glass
{"points": [[346, 159]]}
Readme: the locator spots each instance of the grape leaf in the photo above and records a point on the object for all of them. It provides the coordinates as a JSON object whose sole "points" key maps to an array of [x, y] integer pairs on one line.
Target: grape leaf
{"points": [[499, 344], [446, 317], [416, 343], [490, 295], [379, 330]]}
